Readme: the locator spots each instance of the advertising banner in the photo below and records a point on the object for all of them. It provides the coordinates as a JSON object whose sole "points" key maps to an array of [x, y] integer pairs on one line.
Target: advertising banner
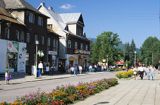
{"points": [[22, 58], [3, 55], [13, 46]]}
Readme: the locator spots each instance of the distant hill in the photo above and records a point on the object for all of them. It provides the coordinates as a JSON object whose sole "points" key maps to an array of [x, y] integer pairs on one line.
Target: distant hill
{"points": [[92, 39]]}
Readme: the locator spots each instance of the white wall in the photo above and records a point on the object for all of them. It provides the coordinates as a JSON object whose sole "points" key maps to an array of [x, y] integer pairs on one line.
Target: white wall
{"points": [[3, 55], [72, 28]]}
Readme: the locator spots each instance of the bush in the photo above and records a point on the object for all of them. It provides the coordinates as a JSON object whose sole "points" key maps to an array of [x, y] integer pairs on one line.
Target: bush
{"points": [[124, 74], [65, 95]]}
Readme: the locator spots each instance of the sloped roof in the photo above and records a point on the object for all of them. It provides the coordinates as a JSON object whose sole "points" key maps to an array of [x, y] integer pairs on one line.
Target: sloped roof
{"points": [[57, 18], [2, 4], [4, 15], [52, 15], [70, 17], [19, 4]]}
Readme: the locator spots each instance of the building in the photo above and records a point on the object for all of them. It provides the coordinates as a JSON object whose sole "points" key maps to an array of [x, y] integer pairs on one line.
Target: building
{"points": [[74, 46], [13, 47], [36, 34]]}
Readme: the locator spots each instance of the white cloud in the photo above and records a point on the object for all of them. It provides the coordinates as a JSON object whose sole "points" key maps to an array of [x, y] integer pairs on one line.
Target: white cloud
{"points": [[67, 6]]}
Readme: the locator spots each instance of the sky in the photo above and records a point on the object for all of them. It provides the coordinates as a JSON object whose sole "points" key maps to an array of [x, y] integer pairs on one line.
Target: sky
{"points": [[130, 19]]}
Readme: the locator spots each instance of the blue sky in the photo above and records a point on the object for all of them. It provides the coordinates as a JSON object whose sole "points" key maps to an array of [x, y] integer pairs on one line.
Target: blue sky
{"points": [[131, 19]]}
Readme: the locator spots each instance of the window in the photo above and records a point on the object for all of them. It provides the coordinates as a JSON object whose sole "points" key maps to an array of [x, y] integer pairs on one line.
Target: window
{"points": [[69, 43], [36, 37], [49, 41], [7, 32], [56, 43], [40, 21], [86, 47], [28, 38], [42, 40], [22, 36], [49, 26], [17, 35], [81, 46], [76, 45], [31, 17]]}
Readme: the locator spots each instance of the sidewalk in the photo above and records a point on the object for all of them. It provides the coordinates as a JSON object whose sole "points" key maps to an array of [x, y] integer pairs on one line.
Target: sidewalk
{"points": [[42, 78], [128, 92]]}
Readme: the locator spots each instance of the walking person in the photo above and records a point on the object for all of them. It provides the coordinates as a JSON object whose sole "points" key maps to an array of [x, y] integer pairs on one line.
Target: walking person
{"points": [[75, 69], [80, 69], [7, 77], [141, 72], [135, 69], [40, 67], [147, 71], [47, 69], [152, 73]]}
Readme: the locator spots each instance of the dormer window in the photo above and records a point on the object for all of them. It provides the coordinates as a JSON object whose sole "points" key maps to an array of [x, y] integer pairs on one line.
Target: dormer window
{"points": [[81, 46], [40, 21], [69, 43], [76, 45], [31, 17], [7, 32], [17, 35], [86, 47]]}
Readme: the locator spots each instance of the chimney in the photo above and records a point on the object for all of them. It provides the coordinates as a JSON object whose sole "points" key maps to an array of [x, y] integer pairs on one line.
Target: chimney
{"points": [[50, 8], [42, 4]]}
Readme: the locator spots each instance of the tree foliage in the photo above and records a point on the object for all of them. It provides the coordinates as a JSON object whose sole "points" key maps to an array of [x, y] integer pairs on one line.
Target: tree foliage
{"points": [[129, 53], [105, 47], [150, 51]]}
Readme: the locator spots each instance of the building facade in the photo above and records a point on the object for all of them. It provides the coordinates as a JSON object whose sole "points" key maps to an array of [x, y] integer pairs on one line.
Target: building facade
{"points": [[74, 45], [35, 31], [13, 47]]}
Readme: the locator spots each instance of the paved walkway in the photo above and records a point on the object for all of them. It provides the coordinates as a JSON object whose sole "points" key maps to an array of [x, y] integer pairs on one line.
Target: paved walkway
{"points": [[45, 77], [128, 92]]}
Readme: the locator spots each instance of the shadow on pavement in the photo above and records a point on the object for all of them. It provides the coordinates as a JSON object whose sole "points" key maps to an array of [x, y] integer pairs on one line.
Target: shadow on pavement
{"points": [[99, 103]]}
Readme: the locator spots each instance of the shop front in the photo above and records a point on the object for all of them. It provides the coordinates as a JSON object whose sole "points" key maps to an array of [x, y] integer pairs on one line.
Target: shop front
{"points": [[13, 56]]}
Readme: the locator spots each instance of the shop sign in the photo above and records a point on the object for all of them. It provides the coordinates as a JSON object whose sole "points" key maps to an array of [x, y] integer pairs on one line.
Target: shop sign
{"points": [[12, 46], [52, 52], [81, 52]]}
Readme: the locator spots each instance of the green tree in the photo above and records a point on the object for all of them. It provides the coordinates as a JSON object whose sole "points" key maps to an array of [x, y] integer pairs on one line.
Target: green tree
{"points": [[105, 47], [129, 53], [150, 51]]}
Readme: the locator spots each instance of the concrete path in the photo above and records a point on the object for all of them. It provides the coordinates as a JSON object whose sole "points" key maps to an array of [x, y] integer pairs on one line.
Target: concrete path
{"points": [[128, 92]]}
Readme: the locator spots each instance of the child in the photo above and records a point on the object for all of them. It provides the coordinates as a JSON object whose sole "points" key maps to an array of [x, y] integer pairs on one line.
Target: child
{"points": [[7, 77]]}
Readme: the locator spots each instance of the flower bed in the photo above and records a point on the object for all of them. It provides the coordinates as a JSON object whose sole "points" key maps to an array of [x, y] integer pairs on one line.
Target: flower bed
{"points": [[65, 94], [124, 74]]}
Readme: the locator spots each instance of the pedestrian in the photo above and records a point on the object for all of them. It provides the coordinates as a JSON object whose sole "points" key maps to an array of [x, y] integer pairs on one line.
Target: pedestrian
{"points": [[147, 71], [72, 69], [75, 69], [135, 72], [40, 67], [80, 69], [7, 77], [90, 68], [152, 73], [47, 69], [141, 72]]}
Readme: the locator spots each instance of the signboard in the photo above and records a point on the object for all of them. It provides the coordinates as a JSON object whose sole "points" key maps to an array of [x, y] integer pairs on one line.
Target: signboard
{"points": [[12, 46], [3, 55], [21, 58], [52, 52]]}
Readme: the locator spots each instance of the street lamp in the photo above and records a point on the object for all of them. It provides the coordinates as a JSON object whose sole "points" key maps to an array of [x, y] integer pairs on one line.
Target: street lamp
{"points": [[37, 42], [40, 53], [135, 58]]}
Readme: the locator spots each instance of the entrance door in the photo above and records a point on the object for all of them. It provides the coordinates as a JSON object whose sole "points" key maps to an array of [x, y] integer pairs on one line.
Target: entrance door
{"points": [[12, 60]]}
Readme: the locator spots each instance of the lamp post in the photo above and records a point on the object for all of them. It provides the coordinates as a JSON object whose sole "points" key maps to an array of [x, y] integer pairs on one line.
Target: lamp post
{"points": [[107, 63], [37, 42], [135, 58]]}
